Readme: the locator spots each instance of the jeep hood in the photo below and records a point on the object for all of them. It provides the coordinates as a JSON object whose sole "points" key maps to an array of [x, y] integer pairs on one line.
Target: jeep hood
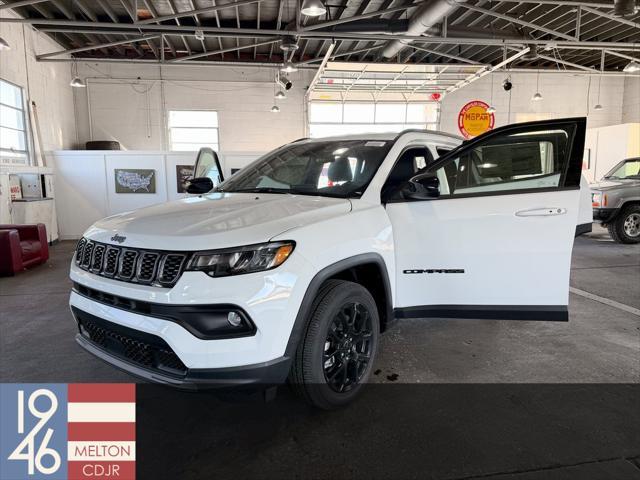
{"points": [[611, 184], [216, 220]]}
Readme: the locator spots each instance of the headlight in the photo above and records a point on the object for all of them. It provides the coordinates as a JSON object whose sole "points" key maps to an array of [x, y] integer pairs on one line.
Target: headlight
{"points": [[236, 261], [596, 199]]}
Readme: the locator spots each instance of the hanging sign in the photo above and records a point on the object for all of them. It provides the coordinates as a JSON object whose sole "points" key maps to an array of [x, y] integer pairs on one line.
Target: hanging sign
{"points": [[474, 120]]}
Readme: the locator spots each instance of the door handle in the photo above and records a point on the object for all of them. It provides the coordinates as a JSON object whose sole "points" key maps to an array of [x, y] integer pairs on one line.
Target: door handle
{"points": [[542, 212]]}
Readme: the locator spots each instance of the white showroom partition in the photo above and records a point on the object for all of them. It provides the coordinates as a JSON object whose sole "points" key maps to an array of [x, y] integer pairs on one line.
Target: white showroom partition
{"points": [[91, 185]]}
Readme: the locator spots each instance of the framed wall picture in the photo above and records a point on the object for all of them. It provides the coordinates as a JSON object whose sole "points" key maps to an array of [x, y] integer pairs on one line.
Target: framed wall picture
{"points": [[132, 180], [183, 174]]}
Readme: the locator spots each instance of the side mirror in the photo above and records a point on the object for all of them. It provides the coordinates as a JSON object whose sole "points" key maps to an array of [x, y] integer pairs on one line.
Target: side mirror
{"points": [[424, 186], [200, 185]]}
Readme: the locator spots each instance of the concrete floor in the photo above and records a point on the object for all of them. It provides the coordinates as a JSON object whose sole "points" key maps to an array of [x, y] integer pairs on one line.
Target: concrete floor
{"points": [[452, 399]]}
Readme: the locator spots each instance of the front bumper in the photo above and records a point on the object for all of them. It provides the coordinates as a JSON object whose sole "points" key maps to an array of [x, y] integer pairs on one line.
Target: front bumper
{"points": [[271, 300], [150, 358], [604, 215]]}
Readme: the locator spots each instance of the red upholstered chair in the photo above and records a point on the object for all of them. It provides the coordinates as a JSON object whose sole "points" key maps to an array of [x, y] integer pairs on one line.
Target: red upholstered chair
{"points": [[22, 246]]}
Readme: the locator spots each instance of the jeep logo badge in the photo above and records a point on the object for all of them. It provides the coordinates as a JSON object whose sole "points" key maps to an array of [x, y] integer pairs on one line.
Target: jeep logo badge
{"points": [[118, 238]]}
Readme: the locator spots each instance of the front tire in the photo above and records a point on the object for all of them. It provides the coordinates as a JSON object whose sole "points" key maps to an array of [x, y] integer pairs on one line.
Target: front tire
{"points": [[626, 226], [335, 356]]}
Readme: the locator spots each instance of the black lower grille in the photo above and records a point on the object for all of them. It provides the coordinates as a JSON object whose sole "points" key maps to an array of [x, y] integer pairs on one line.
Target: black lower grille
{"points": [[140, 348]]}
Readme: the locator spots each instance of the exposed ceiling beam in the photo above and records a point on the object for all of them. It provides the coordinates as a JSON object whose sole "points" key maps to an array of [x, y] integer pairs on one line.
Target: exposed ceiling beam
{"points": [[564, 62], [447, 55], [185, 59], [112, 28], [23, 3], [95, 47], [197, 11], [611, 17], [278, 23], [518, 21], [363, 16], [479, 75], [568, 3], [337, 55], [320, 71], [172, 6], [114, 18], [133, 15], [622, 55], [154, 13]]}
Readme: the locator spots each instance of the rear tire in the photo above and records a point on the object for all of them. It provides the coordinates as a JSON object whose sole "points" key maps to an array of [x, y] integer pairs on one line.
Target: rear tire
{"points": [[336, 354], [625, 228]]}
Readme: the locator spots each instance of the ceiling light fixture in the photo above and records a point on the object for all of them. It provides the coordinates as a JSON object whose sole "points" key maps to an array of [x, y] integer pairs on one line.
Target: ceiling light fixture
{"points": [[199, 35], [275, 109], [632, 67], [289, 44], [598, 104], [77, 83], [289, 67], [280, 95], [4, 45], [491, 108], [313, 8], [537, 96]]}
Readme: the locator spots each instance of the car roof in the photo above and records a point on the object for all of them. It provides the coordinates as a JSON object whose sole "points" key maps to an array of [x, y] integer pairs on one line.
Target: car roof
{"points": [[388, 136]]}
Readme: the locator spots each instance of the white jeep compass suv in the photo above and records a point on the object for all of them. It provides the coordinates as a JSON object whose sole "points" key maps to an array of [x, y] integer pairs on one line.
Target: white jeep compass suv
{"points": [[293, 267]]}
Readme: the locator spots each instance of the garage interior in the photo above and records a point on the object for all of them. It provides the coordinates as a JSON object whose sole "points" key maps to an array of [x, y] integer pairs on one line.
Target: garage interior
{"points": [[450, 399]]}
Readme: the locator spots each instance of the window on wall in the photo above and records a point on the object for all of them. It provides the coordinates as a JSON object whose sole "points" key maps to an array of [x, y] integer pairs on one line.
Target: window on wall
{"points": [[14, 145], [190, 130], [332, 118]]}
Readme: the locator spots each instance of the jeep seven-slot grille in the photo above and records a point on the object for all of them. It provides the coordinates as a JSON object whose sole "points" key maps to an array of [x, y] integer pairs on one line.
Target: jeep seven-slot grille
{"points": [[130, 264]]}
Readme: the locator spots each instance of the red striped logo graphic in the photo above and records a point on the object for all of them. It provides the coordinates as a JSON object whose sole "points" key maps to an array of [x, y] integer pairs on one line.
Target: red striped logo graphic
{"points": [[102, 431]]}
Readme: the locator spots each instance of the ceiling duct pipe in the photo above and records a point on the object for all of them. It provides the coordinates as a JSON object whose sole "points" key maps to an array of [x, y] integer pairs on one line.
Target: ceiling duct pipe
{"points": [[622, 8], [425, 17]]}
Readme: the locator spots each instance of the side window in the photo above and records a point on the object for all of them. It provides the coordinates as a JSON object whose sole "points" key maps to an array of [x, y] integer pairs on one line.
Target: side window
{"points": [[535, 159], [408, 164]]}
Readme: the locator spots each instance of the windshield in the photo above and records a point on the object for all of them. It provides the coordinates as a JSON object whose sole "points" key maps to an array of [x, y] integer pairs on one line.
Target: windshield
{"points": [[625, 169], [341, 168]]}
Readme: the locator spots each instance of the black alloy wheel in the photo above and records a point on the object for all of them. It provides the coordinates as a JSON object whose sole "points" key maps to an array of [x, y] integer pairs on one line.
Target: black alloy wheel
{"points": [[348, 346], [335, 357]]}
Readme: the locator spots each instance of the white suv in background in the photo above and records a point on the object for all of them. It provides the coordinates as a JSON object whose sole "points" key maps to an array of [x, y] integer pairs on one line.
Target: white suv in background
{"points": [[293, 267]]}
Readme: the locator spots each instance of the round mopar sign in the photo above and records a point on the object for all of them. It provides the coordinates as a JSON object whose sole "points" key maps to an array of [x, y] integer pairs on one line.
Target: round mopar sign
{"points": [[474, 120]]}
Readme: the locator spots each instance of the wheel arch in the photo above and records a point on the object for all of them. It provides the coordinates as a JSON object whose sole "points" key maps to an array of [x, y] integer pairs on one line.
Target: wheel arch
{"points": [[368, 270], [618, 210], [628, 202]]}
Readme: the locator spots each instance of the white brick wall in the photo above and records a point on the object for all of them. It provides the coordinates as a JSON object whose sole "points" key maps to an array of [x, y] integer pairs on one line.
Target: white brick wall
{"points": [[45, 83], [563, 96], [132, 111], [631, 104]]}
